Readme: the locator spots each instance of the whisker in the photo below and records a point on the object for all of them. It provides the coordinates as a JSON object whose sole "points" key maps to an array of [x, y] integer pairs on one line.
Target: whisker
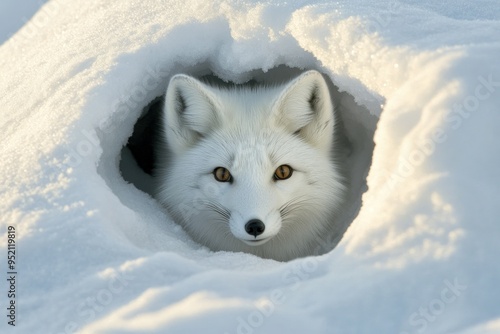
{"points": [[293, 205], [219, 209]]}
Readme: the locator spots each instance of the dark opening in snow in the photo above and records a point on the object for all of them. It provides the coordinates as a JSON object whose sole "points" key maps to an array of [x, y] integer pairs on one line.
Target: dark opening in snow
{"points": [[139, 156]]}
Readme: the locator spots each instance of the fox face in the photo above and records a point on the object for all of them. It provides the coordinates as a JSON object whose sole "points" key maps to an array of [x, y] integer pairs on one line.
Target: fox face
{"points": [[251, 170]]}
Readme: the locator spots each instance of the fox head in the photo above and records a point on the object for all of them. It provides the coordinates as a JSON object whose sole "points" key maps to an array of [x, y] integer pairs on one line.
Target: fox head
{"points": [[251, 169]]}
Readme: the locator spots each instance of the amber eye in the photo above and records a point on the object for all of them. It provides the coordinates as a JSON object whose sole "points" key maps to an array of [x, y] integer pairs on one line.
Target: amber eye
{"points": [[221, 174], [283, 172]]}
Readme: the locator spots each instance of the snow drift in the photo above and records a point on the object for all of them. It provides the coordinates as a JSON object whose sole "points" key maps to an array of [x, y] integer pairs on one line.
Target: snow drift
{"points": [[97, 255]]}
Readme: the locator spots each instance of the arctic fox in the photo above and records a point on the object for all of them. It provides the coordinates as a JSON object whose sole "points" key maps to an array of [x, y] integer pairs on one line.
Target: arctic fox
{"points": [[253, 169]]}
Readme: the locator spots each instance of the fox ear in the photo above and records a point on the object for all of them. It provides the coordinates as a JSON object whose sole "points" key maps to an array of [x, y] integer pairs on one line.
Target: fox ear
{"points": [[191, 111], [305, 108]]}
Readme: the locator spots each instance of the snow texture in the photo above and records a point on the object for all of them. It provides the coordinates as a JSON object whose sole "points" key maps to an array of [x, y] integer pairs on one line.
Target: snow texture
{"points": [[97, 255]]}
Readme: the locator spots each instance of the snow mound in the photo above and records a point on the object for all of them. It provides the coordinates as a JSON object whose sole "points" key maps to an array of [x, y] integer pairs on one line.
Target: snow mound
{"points": [[98, 255]]}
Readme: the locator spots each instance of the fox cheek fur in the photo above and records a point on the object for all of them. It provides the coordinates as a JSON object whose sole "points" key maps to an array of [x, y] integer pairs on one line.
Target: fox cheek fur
{"points": [[252, 169]]}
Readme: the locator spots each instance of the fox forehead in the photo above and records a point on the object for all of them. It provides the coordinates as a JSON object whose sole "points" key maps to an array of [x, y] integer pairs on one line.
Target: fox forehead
{"points": [[259, 149], [245, 101]]}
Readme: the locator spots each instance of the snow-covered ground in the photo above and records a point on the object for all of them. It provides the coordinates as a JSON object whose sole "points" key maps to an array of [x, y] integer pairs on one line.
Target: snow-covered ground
{"points": [[96, 255]]}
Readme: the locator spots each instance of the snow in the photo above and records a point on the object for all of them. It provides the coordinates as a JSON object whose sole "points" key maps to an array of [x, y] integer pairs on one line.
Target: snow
{"points": [[97, 255]]}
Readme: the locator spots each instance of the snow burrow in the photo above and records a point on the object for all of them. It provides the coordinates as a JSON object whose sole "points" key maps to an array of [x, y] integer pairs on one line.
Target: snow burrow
{"points": [[78, 78], [137, 158]]}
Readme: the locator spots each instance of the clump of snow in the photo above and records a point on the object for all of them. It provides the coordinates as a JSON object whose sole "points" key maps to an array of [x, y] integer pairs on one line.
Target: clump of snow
{"points": [[97, 255]]}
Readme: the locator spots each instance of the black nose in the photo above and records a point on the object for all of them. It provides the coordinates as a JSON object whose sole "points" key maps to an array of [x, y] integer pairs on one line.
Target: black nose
{"points": [[255, 227]]}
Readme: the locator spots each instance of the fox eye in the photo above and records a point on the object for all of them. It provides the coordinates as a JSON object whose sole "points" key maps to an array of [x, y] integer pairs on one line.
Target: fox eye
{"points": [[283, 172], [221, 174]]}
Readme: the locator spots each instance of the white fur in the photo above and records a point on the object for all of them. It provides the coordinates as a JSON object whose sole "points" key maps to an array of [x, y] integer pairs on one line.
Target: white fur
{"points": [[252, 131]]}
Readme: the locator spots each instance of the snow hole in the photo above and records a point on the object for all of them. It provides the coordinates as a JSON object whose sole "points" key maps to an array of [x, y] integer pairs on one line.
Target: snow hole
{"points": [[137, 156]]}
